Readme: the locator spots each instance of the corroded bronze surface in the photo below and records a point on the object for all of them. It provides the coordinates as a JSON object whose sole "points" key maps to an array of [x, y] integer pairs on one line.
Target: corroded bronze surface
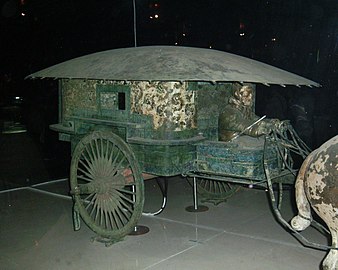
{"points": [[238, 115], [170, 63], [78, 94], [169, 103], [157, 108]]}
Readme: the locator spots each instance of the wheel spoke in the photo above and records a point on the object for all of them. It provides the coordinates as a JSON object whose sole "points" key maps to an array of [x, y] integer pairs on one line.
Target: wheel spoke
{"points": [[115, 206], [106, 210], [111, 153], [118, 167], [109, 212], [213, 186], [108, 168], [104, 166], [118, 217], [88, 152], [126, 206], [86, 166], [90, 203], [219, 187], [107, 149], [96, 206], [216, 191], [101, 143], [86, 173], [97, 149], [112, 168], [93, 152], [101, 212], [84, 178], [107, 183], [121, 204], [111, 219], [125, 198], [93, 207], [88, 162], [209, 185], [126, 191], [122, 215]]}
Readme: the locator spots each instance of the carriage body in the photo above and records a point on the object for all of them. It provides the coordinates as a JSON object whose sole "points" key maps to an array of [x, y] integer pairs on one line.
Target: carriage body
{"points": [[171, 127]]}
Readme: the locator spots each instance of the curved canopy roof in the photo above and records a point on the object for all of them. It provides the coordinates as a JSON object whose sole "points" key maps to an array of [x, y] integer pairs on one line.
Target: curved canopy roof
{"points": [[171, 63]]}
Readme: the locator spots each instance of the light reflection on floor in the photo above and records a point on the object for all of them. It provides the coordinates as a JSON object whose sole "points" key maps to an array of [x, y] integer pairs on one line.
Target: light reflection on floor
{"points": [[36, 228], [37, 233]]}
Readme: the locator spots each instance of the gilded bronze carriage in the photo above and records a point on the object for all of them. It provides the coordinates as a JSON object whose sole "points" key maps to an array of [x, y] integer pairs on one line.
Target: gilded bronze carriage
{"points": [[136, 113]]}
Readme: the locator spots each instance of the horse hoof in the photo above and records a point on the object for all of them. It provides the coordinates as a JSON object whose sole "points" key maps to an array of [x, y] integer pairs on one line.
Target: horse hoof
{"points": [[330, 262], [299, 223]]}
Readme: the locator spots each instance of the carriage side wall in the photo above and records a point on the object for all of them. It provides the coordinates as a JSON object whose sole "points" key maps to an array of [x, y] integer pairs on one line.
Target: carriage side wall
{"points": [[171, 114]]}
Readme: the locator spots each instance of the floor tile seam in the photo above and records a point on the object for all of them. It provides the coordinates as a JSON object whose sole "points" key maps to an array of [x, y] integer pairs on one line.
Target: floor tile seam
{"points": [[264, 239], [192, 224], [208, 239], [186, 223], [197, 244], [170, 257], [40, 191], [222, 231], [269, 240], [33, 186]]}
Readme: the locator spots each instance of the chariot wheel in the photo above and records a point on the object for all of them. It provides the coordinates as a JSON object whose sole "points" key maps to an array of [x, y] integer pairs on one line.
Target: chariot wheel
{"points": [[215, 191], [106, 184]]}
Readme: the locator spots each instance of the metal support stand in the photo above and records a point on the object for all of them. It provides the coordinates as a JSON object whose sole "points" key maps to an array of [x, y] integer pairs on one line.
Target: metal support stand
{"points": [[139, 230], [196, 207], [164, 190]]}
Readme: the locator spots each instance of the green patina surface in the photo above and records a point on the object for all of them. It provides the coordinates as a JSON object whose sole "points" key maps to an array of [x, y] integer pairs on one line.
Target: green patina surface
{"points": [[210, 101], [165, 112], [164, 160], [232, 158]]}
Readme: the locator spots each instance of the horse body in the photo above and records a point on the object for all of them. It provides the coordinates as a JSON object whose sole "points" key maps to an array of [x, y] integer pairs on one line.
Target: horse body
{"points": [[317, 187]]}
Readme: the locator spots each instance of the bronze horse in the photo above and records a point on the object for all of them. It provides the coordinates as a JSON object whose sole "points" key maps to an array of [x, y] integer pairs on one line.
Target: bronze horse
{"points": [[317, 187]]}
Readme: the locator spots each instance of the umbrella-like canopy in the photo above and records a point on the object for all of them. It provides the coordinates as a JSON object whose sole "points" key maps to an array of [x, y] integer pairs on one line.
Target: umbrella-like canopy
{"points": [[171, 63]]}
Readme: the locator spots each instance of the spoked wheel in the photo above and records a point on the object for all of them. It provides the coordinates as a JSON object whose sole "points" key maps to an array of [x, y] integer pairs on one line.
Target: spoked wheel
{"points": [[215, 191], [107, 185]]}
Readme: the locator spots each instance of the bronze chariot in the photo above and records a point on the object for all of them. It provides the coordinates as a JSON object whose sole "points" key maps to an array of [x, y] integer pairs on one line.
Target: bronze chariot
{"points": [[136, 113]]}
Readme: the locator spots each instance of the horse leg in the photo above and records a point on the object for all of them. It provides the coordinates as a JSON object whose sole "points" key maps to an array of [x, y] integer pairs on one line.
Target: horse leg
{"points": [[331, 260], [304, 217]]}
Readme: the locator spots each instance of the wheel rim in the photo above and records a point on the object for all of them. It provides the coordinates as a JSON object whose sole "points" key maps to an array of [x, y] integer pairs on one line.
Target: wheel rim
{"points": [[107, 184], [215, 190]]}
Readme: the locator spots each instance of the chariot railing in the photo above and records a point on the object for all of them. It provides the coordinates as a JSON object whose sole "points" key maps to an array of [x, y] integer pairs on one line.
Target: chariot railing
{"points": [[288, 145]]}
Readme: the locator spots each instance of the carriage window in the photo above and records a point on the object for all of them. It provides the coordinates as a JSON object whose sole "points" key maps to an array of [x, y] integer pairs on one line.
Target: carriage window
{"points": [[113, 100], [121, 101]]}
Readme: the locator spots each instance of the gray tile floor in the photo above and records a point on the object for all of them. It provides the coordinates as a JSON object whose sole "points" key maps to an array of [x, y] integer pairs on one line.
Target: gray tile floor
{"points": [[36, 232]]}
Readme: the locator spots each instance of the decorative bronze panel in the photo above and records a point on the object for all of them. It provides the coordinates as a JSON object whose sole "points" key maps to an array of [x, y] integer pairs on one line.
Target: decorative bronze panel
{"points": [[169, 103], [78, 94]]}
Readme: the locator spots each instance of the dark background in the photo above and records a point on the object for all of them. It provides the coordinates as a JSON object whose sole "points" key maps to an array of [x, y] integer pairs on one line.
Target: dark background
{"points": [[300, 36]]}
